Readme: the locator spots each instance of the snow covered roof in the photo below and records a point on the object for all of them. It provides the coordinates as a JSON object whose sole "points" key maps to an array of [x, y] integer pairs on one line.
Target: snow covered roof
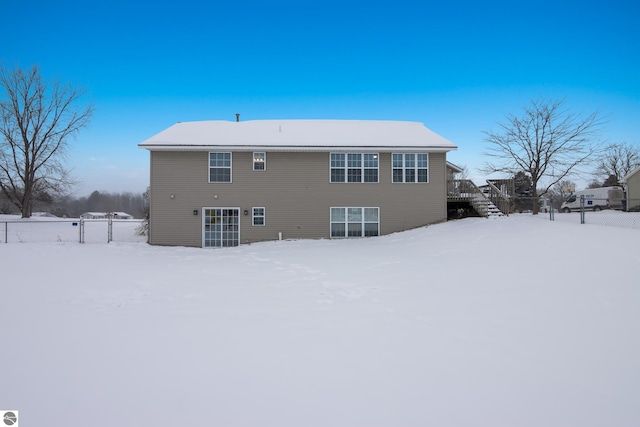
{"points": [[298, 135], [105, 214], [456, 169]]}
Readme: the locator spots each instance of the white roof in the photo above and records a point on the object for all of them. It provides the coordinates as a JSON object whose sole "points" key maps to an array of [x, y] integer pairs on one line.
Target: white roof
{"points": [[106, 213], [298, 135], [456, 169]]}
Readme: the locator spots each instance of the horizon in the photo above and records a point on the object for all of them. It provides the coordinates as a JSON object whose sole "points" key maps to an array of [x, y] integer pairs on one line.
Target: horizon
{"points": [[458, 69]]}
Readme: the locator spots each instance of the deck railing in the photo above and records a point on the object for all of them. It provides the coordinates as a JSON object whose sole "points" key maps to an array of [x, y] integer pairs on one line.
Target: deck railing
{"points": [[466, 190], [501, 193]]}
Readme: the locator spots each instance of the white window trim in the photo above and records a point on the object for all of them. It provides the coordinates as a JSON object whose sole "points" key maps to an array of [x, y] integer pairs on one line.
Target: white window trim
{"points": [[203, 222], [346, 168], [415, 169], [254, 216], [264, 160], [346, 222], [230, 167]]}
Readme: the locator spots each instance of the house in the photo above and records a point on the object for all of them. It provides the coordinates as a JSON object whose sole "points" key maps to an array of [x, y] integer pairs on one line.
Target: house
{"points": [[631, 184], [121, 215], [94, 215], [106, 215], [222, 183]]}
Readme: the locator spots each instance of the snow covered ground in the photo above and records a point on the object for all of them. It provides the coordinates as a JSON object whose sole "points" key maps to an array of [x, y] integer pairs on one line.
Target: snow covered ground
{"points": [[612, 218], [509, 322]]}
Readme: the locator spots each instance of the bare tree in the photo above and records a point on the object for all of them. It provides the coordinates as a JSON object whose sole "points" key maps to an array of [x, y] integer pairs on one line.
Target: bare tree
{"points": [[594, 184], [561, 191], [37, 119], [546, 141], [617, 161]]}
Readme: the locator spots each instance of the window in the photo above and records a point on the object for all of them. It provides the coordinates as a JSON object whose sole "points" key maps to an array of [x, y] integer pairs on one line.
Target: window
{"points": [[259, 161], [410, 167], [354, 167], [337, 167], [355, 222], [219, 167], [221, 227], [258, 216]]}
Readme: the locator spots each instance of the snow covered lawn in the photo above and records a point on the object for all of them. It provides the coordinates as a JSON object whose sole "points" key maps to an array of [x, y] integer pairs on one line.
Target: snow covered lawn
{"points": [[468, 323]]}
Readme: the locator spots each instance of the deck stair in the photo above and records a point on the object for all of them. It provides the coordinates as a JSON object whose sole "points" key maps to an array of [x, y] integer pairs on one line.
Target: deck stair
{"points": [[493, 211], [494, 204]]}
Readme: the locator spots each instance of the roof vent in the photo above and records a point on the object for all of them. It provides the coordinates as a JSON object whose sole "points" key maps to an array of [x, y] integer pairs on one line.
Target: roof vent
{"points": [[237, 117]]}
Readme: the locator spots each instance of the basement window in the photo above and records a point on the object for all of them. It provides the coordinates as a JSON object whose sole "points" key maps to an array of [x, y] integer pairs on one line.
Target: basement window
{"points": [[355, 222]]}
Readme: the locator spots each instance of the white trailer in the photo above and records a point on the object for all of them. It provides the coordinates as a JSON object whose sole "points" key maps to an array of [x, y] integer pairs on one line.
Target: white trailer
{"points": [[595, 199]]}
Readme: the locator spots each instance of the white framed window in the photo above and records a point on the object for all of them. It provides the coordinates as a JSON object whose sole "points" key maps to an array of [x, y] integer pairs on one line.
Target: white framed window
{"points": [[355, 222], [259, 161], [410, 167], [219, 167], [353, 167], [258, 217], [220, 227]]}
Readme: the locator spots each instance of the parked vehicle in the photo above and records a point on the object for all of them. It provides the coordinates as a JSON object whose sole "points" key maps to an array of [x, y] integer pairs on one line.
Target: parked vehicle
{"points": [[595, 199]]}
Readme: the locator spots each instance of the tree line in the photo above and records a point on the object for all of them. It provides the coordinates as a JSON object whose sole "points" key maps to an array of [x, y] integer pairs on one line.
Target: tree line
{"points": [[135, 204]]}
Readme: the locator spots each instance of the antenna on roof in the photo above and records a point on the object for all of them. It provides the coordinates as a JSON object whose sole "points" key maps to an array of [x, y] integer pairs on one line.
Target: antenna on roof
{"points": [[237, 117]]}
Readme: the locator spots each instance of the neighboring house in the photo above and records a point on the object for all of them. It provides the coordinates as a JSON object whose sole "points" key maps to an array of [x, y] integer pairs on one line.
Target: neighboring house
{"points": [[94, 215], [485, 189], [631, 184], [106, 215], [222, 183], [121, 215], [43, 215]]}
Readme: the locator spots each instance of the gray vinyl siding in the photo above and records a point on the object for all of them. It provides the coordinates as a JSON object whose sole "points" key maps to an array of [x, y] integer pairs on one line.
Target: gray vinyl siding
{"points": [[633, 191], [294, 190]]}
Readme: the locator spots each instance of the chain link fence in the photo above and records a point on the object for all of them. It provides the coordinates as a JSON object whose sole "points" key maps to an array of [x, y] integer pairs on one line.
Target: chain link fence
{"points": [[600, 211], [41, 230]]}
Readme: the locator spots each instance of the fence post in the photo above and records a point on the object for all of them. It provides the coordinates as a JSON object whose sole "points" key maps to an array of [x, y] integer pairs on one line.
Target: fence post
{"points": [[582, 209], [110, 229], [551, 209], [6, 232], [81, 230]]}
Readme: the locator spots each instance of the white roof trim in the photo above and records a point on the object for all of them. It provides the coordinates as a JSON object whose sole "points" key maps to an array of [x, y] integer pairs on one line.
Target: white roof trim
{"points": [[455, 168], [298, 148], [299, 135]]}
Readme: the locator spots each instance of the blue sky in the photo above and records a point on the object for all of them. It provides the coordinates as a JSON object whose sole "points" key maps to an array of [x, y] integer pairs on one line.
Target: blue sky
{"points": [[458, 67]]}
